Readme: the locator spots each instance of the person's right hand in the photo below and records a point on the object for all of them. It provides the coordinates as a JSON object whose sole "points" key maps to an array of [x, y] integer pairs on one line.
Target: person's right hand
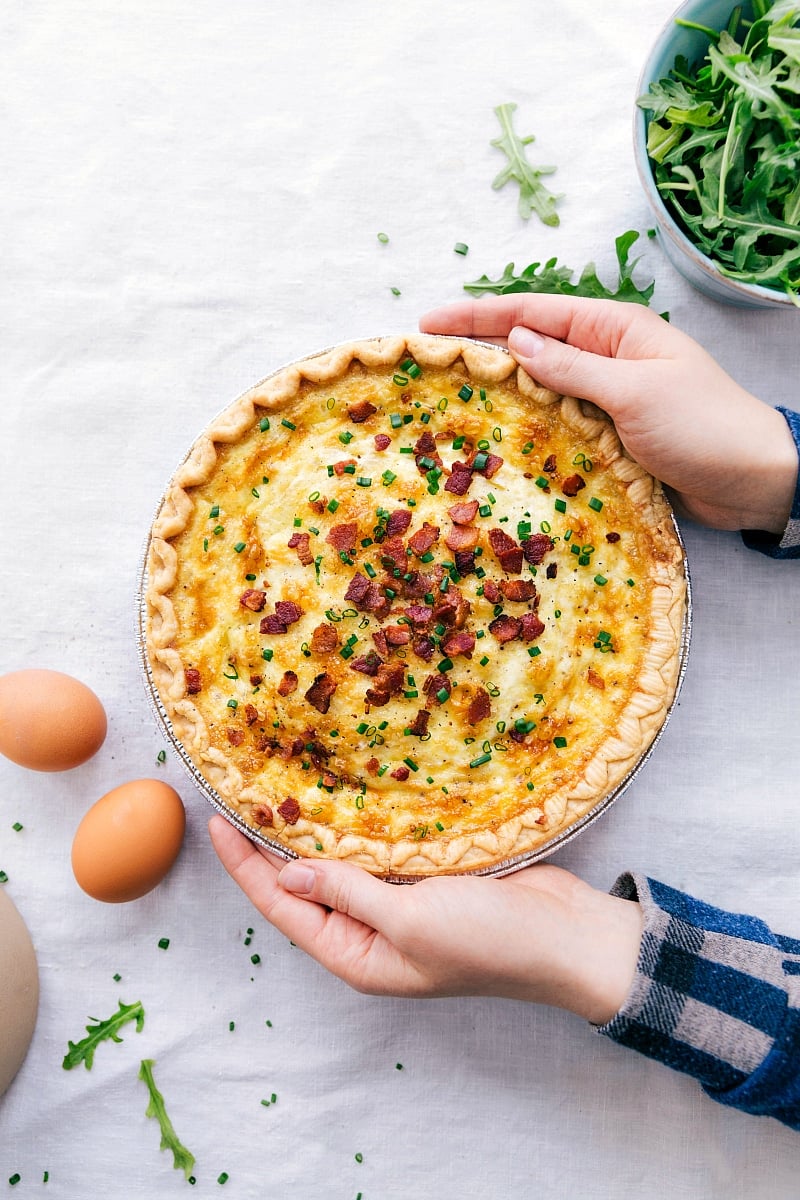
{"points": [[728, 459]]}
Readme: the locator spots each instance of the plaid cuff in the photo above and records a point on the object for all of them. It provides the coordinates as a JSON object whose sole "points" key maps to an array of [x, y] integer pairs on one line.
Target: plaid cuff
{"points": [[717, 996], [788, 545]]}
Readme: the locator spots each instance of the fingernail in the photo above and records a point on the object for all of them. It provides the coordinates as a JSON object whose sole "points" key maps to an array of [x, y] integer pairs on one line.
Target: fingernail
{"points": [[296, 878], [524, 342]]}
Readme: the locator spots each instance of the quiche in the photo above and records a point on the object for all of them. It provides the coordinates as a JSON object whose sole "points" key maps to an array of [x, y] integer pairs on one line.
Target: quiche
{"points": [[405, 607]]}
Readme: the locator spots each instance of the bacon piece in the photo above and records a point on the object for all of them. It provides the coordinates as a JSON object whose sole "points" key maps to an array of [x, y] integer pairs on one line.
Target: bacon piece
{"points": [[320, 693], [381, 645], [532, 627], [506, 628], [288, 684], [419, 726], [372, 765], [415, 586], [389, 681], [397, 635], [367, 664], [549, 464], [254, 599], [299, 542], [493, 464], [287, 611], [465, 561], [324, 639], [459, 643], [235, 736], [400, 773], [342, 463], [491, 591], [552, 570], [535, 547], [194, 683], [463, 513], [343, 537], [506, 550], [361, 412], [425, 444], [452, 608], [382, 441], [424, 647], [393, 553], [572, 485], [272, 624], [376, 602], [517, 589], [480, 706], [462, 537], [251, 714], [421, 541], [357, 589], [419, 614], [612, 537], [262, 814], [255, 680], [398, 521], [290, 810], [459, 480], [435, 684]]}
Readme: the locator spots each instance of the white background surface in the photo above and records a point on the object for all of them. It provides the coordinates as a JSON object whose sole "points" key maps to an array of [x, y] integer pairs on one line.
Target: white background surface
{"points": [[191, 196]]}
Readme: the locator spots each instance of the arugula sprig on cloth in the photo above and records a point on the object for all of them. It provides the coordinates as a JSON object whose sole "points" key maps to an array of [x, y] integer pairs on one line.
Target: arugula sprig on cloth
{"points": [[534, 197], [724, 143], [182, 1159], [101, 1031], [552, 278]]}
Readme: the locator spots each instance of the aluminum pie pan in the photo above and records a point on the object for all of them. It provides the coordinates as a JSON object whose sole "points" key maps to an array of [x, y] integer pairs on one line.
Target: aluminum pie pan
{"points": [[505, 866]]}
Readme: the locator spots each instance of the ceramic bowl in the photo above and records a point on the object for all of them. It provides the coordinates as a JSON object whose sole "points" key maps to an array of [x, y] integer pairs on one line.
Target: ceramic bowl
{"points": [[684, 255]]}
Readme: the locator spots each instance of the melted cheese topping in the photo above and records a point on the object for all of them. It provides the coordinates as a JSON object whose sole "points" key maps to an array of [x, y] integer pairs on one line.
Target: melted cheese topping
{"points": [[346, 655]]}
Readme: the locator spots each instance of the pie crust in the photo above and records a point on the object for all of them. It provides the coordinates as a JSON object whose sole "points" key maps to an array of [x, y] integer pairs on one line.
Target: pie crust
{"points": [[405, 607]]}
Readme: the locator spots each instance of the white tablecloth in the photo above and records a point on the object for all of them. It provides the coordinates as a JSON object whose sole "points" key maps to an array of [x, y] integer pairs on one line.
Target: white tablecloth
{"points": [[191, 196]]}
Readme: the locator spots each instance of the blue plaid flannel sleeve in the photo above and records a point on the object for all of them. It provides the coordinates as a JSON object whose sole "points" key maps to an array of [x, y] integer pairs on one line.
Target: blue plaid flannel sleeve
{"points": [[788, 545], [716, 995]]}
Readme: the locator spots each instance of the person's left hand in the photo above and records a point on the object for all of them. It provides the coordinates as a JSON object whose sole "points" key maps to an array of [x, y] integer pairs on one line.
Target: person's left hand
{"points": [[541, 934]]}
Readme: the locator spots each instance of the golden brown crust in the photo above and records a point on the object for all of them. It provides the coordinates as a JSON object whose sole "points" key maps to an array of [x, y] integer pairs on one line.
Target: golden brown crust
{"points": [[491, 707]]}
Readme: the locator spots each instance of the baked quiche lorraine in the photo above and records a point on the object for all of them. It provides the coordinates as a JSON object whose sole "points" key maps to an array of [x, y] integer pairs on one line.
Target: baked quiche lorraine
{"points": [[405, 607]]}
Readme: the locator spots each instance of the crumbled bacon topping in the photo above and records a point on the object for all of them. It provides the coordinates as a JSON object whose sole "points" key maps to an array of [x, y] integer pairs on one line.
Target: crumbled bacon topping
{"points": [[290, 810], [358, 413], [320, 693], [254, 599], [194, 683]]}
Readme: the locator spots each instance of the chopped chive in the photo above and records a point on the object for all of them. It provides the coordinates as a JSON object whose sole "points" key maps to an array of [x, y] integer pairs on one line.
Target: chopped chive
{"points": [[542, 482], [223, 1177], [383, 238], [461, 248], [560, 506], [526, 449], [480, 460], [534, 652], [595, 504], [485, 510], [411, 764], [364, 481], [17, 827], [445, 665], [287, 424], [214, 512], [396, 291], [267, 653], [395, 420], [163, 943], [388, 477], [239, 547], [480, 760], [346, 437], [263, 424], [466, 393], [400, 380], [560, 742], [600, 580]]}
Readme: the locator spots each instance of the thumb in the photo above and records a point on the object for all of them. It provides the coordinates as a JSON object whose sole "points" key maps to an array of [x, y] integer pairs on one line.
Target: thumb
{"points": [[343, 887], [570, 371]]}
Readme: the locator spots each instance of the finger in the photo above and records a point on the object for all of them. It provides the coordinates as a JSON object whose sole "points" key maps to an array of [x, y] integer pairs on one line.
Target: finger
{"points": [[257, 876], [346, 889], [596, 325]]}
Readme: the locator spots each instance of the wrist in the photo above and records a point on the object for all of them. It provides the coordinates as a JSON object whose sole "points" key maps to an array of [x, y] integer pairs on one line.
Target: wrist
{"points": [[609, 935]]}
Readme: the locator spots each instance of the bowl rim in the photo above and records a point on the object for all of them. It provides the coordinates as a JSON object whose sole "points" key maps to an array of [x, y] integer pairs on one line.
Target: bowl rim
{"points": [[766, 296]]}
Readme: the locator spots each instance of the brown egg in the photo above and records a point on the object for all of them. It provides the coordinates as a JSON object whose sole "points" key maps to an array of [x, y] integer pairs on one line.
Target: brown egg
{"points": [[127, 841], [19, 991], [49, 721]]}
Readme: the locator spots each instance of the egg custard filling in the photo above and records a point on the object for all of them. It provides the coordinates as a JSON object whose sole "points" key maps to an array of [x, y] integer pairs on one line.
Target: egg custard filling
{"points": [[406, 607]]}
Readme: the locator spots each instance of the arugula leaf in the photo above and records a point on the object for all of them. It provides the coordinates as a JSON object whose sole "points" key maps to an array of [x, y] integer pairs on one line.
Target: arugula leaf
{"points": [[182, 1159], [724, 144], [101, 1031], [533, 195], [558, 280]]}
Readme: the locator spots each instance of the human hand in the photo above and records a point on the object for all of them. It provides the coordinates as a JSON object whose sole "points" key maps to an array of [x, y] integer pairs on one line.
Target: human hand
{"points": [[728, 458], [540, 935]]}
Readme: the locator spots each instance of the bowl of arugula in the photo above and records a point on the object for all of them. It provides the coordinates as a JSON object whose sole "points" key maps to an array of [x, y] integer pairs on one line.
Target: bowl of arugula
{"points": [[717, 144]]}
